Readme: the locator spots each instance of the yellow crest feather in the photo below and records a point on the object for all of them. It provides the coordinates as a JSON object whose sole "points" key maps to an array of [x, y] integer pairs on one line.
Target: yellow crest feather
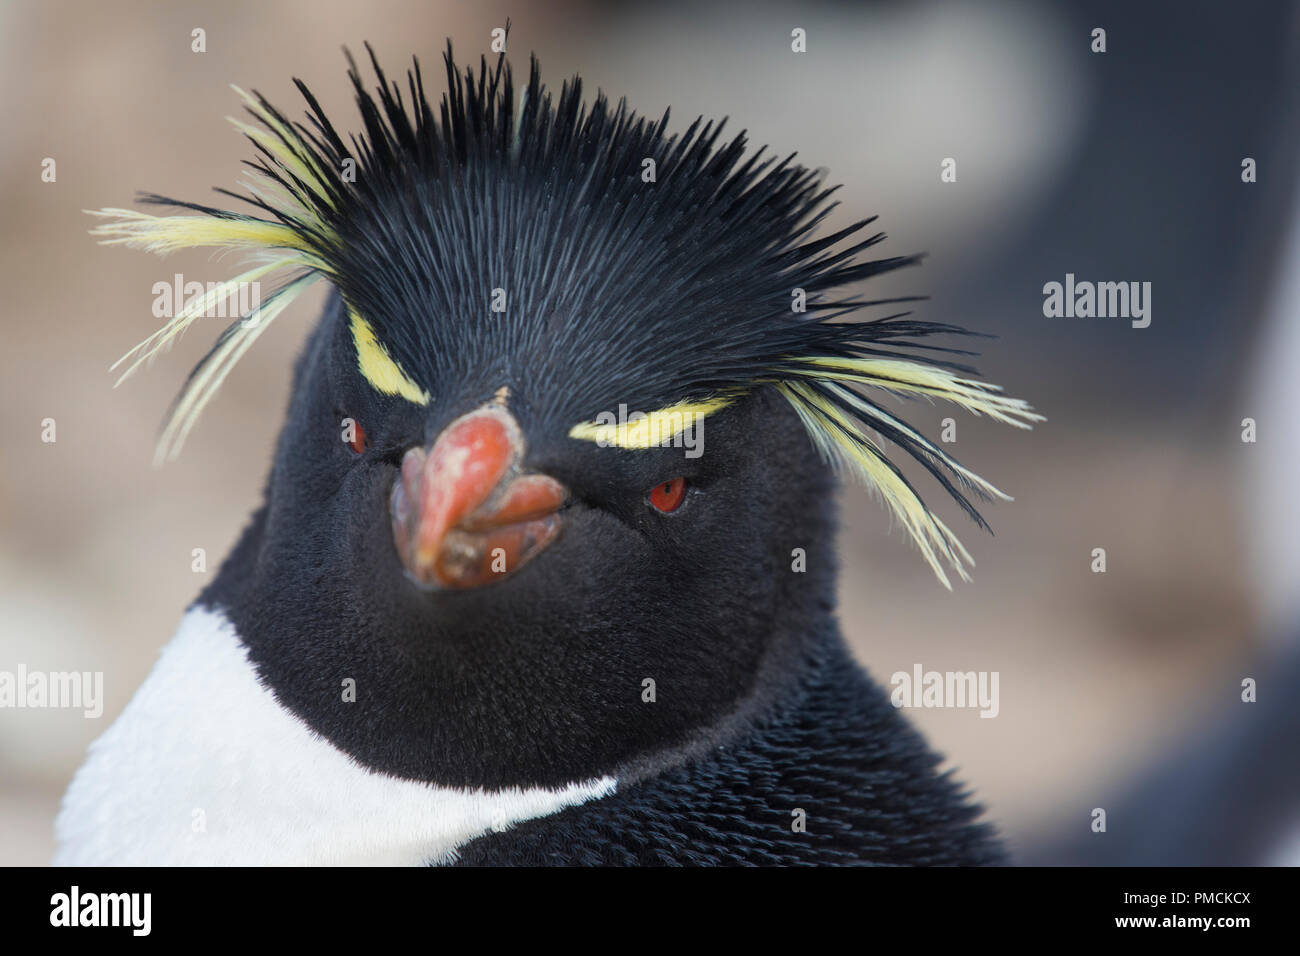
{"points": [[275, 247], [840, 438], [378, 367], [651, 429]]}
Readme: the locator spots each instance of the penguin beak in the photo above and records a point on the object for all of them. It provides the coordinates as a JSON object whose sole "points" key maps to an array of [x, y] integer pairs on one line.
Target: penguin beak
{"points": [[463, 514]]}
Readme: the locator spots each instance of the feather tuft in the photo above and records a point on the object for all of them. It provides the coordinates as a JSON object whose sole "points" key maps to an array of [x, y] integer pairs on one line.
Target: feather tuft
{"points": [[671, 291]]}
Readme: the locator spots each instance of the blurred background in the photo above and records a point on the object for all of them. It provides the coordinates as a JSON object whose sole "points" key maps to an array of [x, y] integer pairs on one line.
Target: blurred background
{"points": [[1117, 166]]}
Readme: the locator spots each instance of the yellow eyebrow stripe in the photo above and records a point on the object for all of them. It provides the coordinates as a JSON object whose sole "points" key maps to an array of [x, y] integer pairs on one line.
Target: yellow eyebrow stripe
{"points": [[378, 367], [649, 430]]}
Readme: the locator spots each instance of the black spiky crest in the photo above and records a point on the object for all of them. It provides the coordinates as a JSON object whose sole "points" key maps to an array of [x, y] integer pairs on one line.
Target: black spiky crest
{"points": [[620, 287]]}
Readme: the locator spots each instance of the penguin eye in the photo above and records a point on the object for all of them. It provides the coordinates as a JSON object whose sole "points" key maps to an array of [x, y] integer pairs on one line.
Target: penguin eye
{"points": [[668, 496], [358, 442]]}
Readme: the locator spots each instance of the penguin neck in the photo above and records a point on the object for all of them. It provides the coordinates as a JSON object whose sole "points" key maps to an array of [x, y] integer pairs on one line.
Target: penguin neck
{"points": [[801, 617], [795, 655]]}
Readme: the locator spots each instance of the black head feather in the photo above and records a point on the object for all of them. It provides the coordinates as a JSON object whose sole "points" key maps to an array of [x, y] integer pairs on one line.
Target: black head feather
{"points": [[523, 242]]}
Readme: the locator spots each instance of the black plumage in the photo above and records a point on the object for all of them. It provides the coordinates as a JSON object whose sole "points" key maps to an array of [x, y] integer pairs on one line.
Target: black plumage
{"points": [[831, 745], [618, 291]]}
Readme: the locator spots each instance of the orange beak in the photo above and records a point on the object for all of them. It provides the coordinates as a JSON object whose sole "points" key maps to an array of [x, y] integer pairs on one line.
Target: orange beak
{"points": [[463, 514]]}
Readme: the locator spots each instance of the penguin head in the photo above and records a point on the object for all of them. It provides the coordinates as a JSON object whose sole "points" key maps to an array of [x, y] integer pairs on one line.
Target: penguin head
{"points": [[552, 492]]}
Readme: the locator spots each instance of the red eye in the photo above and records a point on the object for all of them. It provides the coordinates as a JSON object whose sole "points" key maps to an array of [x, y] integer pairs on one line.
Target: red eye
{"points": [[668, 496], [358, 442]]}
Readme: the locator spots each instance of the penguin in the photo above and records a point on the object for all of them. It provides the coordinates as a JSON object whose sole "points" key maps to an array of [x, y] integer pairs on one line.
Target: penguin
{"points": [[544, 573]]}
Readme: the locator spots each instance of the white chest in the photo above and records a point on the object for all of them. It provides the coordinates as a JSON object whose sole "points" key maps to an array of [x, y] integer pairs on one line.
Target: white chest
{"points": [[204, 767]]}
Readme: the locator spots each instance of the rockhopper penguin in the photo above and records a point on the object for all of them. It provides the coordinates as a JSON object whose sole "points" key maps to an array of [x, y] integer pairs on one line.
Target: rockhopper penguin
{"points": [[528, 585]]}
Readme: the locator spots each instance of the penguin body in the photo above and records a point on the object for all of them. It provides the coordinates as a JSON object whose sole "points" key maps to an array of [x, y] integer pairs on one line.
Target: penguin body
{"points": [[433, 641], [205, 767]]}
